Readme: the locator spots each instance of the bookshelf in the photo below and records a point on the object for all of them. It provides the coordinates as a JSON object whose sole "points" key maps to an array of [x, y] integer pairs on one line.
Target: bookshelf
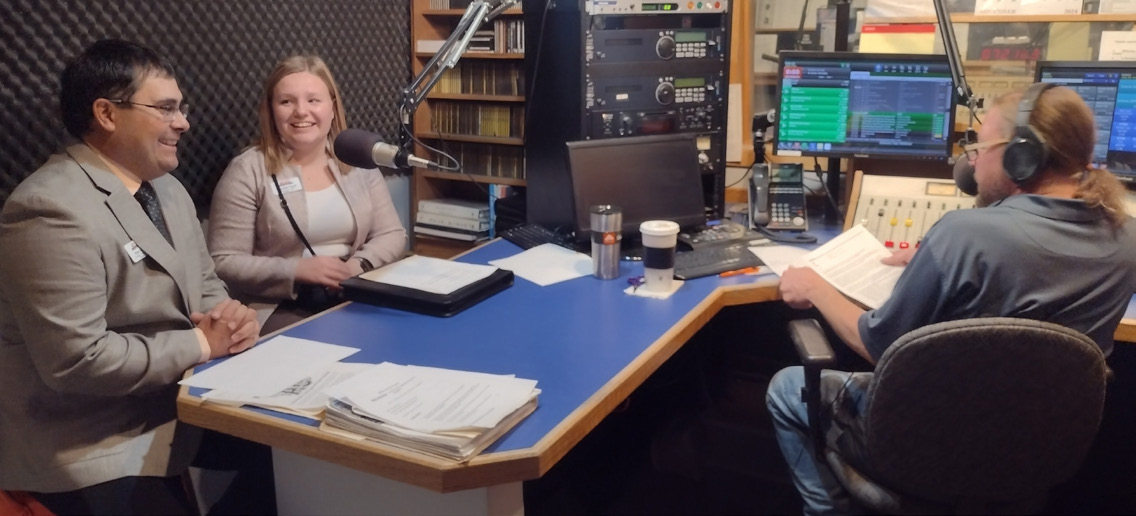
{"points": [[475, 113]]}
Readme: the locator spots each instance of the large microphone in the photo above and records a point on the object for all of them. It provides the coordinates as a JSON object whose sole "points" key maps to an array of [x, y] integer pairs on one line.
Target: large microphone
{"points": [[964, 175], [363, 149]]}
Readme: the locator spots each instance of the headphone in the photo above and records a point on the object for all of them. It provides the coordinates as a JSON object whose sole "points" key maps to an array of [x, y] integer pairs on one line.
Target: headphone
{"points": [[1026, 153]]}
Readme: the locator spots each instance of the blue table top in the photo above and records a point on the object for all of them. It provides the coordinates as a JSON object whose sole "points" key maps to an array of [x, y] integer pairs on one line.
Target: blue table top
{"points": [[572, 337]]}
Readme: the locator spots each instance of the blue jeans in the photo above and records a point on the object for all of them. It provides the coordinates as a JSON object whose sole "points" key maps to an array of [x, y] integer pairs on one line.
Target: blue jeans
{"points": [[811, 475]]}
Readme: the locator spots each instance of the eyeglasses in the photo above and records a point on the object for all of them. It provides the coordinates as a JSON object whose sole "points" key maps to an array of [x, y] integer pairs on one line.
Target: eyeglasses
{"points": [[971, 149], [169, 112]]}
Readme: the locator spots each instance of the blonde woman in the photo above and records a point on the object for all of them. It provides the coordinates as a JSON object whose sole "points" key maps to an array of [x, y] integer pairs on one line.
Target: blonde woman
{"points": [[288, 220]]}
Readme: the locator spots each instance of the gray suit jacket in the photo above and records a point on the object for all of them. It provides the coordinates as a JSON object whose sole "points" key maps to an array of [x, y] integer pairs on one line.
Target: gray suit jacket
{"points": [[93, 341]]}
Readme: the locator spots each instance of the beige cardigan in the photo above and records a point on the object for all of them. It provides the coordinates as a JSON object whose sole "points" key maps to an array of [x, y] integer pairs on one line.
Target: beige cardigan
{"points": [[254, 246]]}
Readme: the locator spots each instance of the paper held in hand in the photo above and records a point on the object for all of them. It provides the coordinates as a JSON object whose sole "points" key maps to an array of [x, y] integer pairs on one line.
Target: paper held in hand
{"points": [[851, 263]]}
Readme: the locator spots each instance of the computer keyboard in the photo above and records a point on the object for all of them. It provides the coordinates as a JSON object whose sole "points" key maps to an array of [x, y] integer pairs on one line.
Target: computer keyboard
{"points": [[708, 261], [527, 236]]}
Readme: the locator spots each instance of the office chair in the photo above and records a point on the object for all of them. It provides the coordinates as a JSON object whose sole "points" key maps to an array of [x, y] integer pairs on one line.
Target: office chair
{"points": [[975, 416]]}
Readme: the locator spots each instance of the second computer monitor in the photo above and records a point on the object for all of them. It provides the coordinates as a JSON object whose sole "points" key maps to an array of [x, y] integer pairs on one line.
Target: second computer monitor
{"points": [[848, 104], [648, 177], [1109, 88]]}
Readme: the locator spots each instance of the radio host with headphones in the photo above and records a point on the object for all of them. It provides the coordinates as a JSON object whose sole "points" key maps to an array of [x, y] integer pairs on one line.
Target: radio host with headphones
{"points": [[1051, 242]]}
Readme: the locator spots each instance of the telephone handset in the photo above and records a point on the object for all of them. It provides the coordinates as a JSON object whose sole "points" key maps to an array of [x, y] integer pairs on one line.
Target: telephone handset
{"points": [[777, 197]]}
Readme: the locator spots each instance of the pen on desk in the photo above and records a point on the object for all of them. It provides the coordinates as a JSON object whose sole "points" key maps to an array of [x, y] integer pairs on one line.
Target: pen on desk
{"points": [[739, 272]]}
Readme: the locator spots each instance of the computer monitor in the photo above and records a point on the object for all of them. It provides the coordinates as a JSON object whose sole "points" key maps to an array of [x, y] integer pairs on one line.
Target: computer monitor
{"points": [[649, 177], [848, 104], [1109, 88]]}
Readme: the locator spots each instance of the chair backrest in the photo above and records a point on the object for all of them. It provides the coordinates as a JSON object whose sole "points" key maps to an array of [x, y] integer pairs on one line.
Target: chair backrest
{"points": [[986, 410]]}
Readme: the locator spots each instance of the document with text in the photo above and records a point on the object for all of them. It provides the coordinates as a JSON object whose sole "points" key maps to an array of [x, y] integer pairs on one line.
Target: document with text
{"points": [[270, 366], [306, 397], [433, 275], [441, 412], [851, 263]]}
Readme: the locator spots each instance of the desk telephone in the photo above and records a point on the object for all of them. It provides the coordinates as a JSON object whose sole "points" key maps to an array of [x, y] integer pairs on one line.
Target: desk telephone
{"points": [[777, 197]]}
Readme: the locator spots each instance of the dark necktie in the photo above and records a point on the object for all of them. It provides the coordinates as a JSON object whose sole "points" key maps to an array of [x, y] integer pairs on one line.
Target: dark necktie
{"points": [[148, 198]]}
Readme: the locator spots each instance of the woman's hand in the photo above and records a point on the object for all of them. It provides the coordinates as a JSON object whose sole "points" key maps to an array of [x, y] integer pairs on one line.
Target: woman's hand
{"points": [[326, 271]]}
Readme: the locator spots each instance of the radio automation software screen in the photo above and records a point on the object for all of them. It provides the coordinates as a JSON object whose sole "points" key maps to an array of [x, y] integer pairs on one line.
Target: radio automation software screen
{"points": [[848, 104], [1109, 88]]}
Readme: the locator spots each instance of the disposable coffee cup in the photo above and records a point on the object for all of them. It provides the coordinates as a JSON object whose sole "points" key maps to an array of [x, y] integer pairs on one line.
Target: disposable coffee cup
{"points": [[659, 240]]}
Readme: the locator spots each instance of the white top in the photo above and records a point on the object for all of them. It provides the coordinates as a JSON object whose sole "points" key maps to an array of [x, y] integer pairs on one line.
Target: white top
{"points": [[331, 228]]}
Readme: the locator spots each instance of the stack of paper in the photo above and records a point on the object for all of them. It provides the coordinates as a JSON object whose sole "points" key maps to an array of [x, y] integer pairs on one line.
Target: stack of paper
{"points": [[283, 373], [440, 412], [306, 397]]}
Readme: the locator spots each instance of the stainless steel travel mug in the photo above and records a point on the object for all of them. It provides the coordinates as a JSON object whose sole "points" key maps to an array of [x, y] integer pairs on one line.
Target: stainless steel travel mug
{"points": [[606, 221]]}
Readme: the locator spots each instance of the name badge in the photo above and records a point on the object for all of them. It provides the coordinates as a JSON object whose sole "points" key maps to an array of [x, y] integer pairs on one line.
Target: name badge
{"points": [[135, 253], [289, 185]]}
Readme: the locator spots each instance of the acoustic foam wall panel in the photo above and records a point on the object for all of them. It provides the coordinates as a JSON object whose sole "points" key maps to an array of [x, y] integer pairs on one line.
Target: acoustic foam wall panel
{"points": [[222, 50]]}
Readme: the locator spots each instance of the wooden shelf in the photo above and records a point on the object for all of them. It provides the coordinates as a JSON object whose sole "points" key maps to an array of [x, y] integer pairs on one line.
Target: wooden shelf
{"points": [[476, 178], [471, 96], [438, 247], [471, 138], [459, 12], [1006, 18], [476, 55]]}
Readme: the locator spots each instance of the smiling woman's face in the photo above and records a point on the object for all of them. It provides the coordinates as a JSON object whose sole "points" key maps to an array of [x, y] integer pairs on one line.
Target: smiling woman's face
{"points": [[303, 110]]}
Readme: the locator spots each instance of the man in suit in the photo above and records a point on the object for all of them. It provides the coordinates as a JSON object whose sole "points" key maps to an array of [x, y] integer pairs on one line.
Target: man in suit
{"points": [[107, 295]]}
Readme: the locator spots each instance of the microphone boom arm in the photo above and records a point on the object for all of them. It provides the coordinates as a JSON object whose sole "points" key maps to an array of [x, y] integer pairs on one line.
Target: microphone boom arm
{"points": [[963, 94], [476, 15]]}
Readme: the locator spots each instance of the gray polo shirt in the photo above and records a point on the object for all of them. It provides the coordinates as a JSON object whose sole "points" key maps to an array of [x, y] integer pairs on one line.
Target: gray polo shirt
{"points": [[1028, 256]]}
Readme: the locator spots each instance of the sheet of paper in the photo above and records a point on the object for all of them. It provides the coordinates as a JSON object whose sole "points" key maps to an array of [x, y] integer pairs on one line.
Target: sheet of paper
{"points": [[270, 367], [306, 397], [851, 263], [431, 399], [1117, 45], [897, 8], [1117, 6], [898, 39], [1028, 7], [1069, 42], [734, 140], [780, 257], [546, 264], [427, 274]]}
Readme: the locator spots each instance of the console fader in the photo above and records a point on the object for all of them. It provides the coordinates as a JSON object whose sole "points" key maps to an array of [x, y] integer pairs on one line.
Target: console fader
{"points": [[900, 210]]}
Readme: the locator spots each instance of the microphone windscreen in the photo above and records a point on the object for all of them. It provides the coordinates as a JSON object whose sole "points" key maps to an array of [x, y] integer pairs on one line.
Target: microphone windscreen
{"points": [[355, 147], [964, 175]]}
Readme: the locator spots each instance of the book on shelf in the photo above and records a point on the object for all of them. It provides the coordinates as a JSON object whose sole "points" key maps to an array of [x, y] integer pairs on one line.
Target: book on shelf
{"points": [[455, 207], [478, 119], [456, 234], [450, 4], [439, 412], [450, 221], [496, 193], [429, 46]]}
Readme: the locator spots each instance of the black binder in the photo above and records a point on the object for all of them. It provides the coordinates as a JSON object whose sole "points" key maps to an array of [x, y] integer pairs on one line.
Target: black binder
{"points": [[418, 301]]}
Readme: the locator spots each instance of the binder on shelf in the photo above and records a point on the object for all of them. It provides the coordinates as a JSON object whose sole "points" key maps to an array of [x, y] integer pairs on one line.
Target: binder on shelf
{"points": [[449, 221], [455, 207], [378, 293], [456, 234]]}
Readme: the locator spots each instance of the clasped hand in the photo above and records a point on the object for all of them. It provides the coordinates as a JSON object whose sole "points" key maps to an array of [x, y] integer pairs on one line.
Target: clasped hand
{"points": [[325, 271], [230, 327]]}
